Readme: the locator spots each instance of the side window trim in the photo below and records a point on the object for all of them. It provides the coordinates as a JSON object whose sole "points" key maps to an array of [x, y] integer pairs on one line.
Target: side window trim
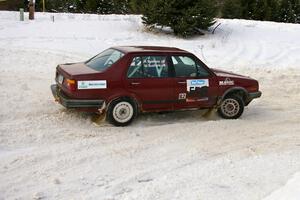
{"points": [[171, 69]]}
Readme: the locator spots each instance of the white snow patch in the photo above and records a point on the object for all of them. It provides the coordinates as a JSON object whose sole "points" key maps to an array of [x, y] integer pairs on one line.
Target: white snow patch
{"points": [[49, 152]]}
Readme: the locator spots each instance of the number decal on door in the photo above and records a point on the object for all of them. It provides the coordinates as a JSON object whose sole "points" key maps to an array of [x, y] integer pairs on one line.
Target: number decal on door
{"points": [[182, 96]]}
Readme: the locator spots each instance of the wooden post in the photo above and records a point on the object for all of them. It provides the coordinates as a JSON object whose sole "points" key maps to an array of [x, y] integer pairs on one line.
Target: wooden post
{"points": [[44, 6], [31, 10], [21, 14]]}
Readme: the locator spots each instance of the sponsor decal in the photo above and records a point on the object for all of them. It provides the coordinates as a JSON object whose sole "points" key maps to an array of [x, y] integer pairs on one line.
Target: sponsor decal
{"points": [[193, 84], [97, 84], [227, 81], [197, 90]]}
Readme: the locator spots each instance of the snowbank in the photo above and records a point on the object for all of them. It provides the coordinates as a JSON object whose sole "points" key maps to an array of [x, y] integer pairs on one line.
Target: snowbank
{"points": [[236, 43]]}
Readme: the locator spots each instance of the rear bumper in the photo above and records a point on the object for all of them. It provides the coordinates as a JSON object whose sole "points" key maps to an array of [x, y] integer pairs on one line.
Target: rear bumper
{"points": [[254, 95], [74, 103]]}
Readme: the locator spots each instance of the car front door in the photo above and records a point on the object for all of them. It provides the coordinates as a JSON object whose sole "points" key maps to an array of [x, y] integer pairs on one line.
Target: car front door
{"points": [[194, 84], [148, 78]]}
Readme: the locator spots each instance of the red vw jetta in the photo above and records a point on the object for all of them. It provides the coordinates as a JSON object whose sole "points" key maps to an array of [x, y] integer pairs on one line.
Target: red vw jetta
{"points": [[124, 81]]}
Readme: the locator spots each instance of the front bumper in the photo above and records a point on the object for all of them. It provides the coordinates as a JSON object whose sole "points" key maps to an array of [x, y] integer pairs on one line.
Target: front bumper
{"points": [[251, 96], [74, 103], [254, 95]]}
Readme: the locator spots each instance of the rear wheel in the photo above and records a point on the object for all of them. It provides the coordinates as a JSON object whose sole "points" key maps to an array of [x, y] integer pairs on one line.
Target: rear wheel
{"points": [[121, 112], [232, 107]]}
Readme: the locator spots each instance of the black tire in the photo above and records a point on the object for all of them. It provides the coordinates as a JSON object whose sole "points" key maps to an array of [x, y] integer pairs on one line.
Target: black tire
{"points": [[232, 107], [121, 112]]}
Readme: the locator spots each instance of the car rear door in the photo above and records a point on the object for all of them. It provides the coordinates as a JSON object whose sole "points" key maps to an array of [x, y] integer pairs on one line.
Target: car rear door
{"points": [[194, 85], [148, 78]]}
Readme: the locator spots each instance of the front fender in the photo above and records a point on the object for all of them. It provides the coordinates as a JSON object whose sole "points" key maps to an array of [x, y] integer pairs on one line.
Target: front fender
{"points": [[245, 93]]}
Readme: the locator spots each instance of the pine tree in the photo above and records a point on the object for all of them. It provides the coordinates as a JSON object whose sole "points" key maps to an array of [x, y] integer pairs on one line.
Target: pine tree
{"points": [[136, 6], [232, 9], [91, 6], [274, 7], [79, 5], [185, 17], [248, 8], [296, 8], [273, 10], [298, 12], [58, 5], [107, 6], [120, 6], [261, 10], [287, 12]]}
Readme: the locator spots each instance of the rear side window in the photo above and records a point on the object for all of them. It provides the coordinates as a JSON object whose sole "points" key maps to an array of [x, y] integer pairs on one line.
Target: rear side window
{"points": [[187, 67], [148, 67], [105, 59]]}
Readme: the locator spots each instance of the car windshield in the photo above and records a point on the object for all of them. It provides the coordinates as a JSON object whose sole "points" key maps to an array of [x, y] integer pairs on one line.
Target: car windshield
{"points": [[105, 59]]}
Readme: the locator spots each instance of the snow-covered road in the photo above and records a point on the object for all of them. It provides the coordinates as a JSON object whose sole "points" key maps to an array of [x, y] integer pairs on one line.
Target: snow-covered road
{"points": [[48, 152]]}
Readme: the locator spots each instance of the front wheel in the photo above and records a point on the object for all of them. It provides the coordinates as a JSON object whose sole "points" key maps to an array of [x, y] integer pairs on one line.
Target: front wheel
{"points": [[121, 112], [232, 107]]}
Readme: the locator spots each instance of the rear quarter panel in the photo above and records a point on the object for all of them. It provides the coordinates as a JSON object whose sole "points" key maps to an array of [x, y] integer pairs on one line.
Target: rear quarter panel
{"points": [[112, 76]]}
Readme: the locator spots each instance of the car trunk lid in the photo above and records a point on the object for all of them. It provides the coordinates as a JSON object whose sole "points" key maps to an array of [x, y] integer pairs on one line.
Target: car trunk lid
{"points": [[72, 70]]}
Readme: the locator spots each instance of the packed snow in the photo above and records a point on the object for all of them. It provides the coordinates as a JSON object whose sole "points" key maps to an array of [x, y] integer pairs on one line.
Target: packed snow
{"points": [[290, 191], [48, 152]]}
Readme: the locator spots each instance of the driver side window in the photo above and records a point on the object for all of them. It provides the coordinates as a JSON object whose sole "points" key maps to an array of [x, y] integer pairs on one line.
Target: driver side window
{"points": [[186, 67]]}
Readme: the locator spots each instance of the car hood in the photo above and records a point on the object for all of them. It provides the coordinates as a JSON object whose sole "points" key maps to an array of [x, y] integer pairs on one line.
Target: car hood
{"points": [[75, 69], [226, 74]]}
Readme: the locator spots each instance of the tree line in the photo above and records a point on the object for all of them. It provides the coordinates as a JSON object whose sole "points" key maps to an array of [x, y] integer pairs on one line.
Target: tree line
{"points": [[184, 17], [266, 10], [85, 6], [269, 10]]}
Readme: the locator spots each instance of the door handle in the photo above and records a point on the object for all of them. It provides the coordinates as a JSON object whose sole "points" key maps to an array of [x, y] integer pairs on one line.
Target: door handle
{"points": [[182, 82], [135, 83]]}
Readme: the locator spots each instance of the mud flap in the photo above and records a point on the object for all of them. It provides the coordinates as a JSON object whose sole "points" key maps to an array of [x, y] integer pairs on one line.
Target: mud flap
{"points": [[99, 119], [209, 113]]}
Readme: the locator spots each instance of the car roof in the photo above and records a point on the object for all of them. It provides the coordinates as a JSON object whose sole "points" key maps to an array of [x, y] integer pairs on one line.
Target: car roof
{"points": [[147, 49]]}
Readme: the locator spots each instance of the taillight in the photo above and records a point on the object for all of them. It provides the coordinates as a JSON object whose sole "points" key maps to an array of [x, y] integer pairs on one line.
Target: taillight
{"points": [[71, 84]]}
